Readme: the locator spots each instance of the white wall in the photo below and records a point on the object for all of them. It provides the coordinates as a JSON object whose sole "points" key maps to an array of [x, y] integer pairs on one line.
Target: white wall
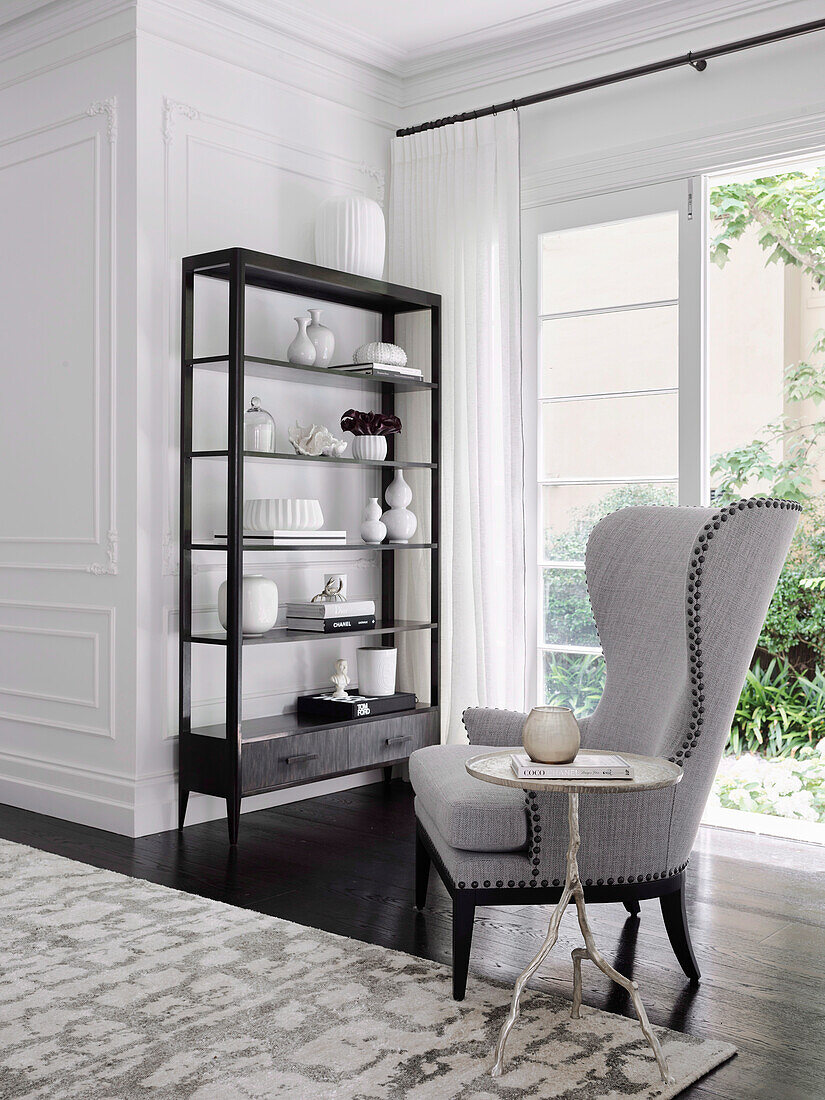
{"points": [[203, 138], [67, 533]]}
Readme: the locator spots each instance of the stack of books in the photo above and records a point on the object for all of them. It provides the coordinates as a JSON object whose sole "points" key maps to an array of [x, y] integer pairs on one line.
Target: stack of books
{"points": [[331, 618], [587, 765], [383, 370], [291, 538]]}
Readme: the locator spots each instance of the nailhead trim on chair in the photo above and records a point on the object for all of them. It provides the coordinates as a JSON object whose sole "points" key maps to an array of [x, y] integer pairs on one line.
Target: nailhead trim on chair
{"points": [[694, 606]]}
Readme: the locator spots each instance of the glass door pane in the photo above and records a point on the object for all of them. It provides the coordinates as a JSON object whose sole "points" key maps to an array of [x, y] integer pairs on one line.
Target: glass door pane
{"points": [[610, 346]]}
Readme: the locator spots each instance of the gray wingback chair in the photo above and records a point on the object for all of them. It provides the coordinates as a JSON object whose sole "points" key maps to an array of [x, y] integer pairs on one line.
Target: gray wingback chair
{"points": [[679, 596]]}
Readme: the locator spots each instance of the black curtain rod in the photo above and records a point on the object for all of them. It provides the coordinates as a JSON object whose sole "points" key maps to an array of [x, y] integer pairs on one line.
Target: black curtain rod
{"points": [[697, 59]]}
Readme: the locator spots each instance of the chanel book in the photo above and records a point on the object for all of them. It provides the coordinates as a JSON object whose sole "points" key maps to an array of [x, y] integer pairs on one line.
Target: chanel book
{"points": [[587, 765], [332, 626]]}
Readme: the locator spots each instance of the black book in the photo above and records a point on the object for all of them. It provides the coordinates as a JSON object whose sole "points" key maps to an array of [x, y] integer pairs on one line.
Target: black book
{"points": [[322, 705], [332, 626]]}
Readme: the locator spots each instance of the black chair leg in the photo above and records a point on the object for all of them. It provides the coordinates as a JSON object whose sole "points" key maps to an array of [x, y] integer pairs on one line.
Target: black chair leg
{"points": [[422, 871], [632, 907], [464, 909], [675, 917]]}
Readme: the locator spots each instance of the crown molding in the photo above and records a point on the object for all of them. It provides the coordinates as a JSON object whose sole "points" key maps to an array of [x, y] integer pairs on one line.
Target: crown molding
{"points": [[529, 46], [23, 27]]}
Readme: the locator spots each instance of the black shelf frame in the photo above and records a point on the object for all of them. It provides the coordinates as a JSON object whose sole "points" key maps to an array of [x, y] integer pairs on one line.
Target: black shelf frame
{"points": [[211, 759]]}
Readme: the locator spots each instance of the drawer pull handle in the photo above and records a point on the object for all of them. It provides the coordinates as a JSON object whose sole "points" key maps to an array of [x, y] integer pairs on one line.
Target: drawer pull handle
{"points": [[300, 759], [397, 740]]}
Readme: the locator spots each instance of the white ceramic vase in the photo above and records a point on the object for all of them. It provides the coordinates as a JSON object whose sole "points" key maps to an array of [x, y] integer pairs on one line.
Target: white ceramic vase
{"points": [[376, 670], [260, 605], [350, 235], [302, 350], [551, 735], [322, 339], [372, 447], [399, 520], [372, 529], [282, 514]]}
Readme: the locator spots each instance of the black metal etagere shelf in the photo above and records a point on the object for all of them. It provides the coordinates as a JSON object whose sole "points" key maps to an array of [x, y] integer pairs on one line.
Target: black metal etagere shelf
{"points": [[240, 757]]}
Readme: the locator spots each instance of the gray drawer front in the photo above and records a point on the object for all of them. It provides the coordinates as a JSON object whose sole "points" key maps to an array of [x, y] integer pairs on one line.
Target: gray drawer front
{"points": [[286, 760], [391, 739]]}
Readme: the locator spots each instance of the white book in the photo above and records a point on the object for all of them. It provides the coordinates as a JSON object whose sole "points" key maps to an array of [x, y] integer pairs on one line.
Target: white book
{"points": [[384, 368], [588, 765], [330, 610]]}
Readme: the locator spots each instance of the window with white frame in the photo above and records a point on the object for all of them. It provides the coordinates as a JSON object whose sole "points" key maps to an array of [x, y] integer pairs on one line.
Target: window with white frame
{"points": [[607, 432]]}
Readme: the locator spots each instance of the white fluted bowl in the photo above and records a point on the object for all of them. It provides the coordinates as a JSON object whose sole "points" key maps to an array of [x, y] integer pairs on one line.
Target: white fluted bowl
{"points": [[282, 514]]}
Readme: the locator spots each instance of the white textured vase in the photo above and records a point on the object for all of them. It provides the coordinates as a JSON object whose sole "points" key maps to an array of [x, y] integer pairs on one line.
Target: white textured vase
{"points": [[371, 447], [551, 735], [302, 350], [372, 529], [282, 514], [376, 670], [350, 236], [399, 520], [322, 339], [260, 605]]}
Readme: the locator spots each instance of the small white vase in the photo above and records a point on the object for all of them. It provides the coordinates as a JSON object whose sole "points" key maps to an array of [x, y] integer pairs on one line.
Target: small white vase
{"points": [[372, 447], [376, 670], [302, 350], [259, 611], [350, 235], [322, 339], [399, 520], [372, 529], [550, 735]]}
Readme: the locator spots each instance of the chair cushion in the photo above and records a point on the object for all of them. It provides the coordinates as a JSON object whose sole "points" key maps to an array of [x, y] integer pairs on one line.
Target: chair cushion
{"points": [[469, 814]]}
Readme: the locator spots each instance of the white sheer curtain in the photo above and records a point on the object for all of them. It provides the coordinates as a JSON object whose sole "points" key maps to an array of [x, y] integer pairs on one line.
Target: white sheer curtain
{"points": [[454, 229]]}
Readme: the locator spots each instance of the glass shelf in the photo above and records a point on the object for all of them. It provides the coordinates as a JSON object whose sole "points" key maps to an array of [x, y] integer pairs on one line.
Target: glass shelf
{"points": [[328, 459], [284, 634], [279, 369]]}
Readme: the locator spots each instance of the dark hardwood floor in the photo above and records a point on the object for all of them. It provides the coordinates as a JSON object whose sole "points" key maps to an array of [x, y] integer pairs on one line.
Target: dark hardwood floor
{"points": [[345, 863]]}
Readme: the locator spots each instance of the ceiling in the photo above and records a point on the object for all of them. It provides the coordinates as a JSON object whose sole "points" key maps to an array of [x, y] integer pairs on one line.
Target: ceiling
{"points": [[412, 28]]}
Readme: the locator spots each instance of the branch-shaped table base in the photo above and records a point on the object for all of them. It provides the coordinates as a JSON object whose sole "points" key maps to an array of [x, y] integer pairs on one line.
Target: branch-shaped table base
{"points": [[573, 891]]}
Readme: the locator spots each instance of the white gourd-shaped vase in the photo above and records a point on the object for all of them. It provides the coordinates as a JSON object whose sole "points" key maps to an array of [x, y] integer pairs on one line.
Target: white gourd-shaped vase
{"points": [[302, 350], [399, 520], [372, 529], [322, 339]]}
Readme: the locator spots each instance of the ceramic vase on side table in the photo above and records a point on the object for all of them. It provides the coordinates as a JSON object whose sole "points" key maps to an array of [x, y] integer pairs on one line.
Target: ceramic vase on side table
{"points": [[399, 520], [550, 735]]}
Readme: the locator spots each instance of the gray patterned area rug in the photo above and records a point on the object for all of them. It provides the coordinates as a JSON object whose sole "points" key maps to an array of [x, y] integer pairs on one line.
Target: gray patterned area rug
{"points": [[115, 988]]}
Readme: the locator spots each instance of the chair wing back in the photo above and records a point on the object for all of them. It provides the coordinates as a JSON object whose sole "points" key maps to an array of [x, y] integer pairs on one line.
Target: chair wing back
{"points": [[679, 596]]}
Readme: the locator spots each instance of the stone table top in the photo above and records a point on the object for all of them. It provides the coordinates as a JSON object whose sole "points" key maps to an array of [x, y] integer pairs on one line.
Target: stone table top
{"points": [[650, 773]]}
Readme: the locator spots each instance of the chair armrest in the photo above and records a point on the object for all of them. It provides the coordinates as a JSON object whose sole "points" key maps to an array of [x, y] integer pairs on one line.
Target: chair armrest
{"points": [[490, 726]]}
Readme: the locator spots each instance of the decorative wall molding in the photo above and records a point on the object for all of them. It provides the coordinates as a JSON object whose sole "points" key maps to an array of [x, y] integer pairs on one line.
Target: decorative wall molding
{"points": [[172, 107], [107, 107], [106, 691], [106, 110], [380, 177]]}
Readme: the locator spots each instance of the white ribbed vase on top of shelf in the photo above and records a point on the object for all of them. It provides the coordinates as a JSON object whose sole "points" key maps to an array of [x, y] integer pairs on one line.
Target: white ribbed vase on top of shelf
{"points": [[350, 235], [399, 520]]}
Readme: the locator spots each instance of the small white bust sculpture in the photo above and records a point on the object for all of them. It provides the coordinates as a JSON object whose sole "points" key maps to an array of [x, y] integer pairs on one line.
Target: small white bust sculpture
{"points": [[341, 680]]}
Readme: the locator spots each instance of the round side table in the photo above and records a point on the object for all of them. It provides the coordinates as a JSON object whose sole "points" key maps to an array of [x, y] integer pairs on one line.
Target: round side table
{"points": [[649, 773]]}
